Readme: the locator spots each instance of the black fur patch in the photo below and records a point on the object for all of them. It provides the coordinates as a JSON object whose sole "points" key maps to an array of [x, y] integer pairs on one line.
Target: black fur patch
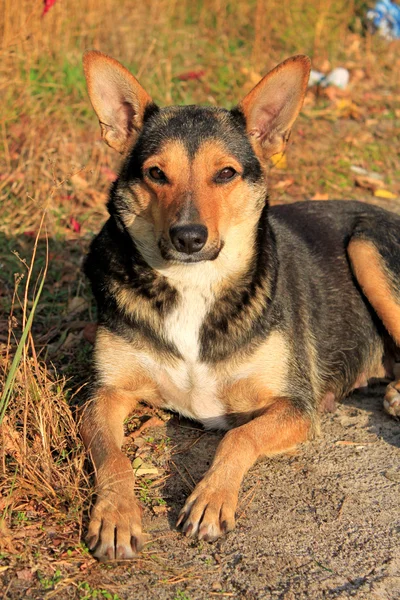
{"points": [[114, 260], [241, 318], [193, 125]]}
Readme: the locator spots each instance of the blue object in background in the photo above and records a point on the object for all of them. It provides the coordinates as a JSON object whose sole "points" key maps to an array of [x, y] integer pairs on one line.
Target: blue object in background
{"points": [[385, 17]]}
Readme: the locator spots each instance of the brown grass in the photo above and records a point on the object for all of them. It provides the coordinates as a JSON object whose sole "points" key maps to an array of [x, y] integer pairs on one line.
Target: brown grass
{"points": [[52, 162]]}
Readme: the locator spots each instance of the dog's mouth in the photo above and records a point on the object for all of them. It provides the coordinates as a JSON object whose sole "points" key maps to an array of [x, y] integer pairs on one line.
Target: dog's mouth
{"points": [[169, 253]]}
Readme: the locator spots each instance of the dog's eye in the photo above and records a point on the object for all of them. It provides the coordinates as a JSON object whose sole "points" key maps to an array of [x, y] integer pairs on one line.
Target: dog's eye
{"points": [[157, 175], [225, 175]]}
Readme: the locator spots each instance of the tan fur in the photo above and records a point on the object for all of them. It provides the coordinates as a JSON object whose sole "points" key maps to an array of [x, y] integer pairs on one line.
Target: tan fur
{"points": [[210, 509], [117, 511], [206, 393], [371, 274], [191, 189], [118, 365], [251, 383]]}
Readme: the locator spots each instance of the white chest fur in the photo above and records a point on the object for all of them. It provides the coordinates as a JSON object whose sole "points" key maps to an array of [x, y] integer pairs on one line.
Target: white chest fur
{"points": [[182, 326], [190, 387]]}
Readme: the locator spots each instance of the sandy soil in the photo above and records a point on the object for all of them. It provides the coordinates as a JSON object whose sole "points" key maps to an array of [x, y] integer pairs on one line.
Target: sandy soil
{"points": [[321, 523]]}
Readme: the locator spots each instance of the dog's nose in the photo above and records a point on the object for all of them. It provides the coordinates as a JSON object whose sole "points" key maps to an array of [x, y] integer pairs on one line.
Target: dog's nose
{"points": [[188, 238]]}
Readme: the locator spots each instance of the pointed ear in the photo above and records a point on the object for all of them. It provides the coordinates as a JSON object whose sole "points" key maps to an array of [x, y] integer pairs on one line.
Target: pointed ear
{"points": [[272, 106], [117, 98]]}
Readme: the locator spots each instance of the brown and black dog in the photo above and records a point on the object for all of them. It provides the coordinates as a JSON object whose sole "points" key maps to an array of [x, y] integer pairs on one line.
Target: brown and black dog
{"points": [[212, 304]]}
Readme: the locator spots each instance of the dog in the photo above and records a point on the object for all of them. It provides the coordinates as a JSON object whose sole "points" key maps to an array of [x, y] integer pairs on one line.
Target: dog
{"points": [[246, 318]]}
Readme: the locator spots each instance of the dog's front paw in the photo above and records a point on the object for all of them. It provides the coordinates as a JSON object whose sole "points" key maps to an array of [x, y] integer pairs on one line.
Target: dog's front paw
{"points": [[209, 512], [391, 401], [115, 531]]}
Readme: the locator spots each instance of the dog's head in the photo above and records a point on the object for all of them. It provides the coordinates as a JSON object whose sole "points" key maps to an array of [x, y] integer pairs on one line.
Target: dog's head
{"points": [[192, 174]]}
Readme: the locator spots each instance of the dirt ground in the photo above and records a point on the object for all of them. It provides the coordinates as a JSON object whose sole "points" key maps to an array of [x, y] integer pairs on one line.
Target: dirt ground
{"points": [[323, 522]]}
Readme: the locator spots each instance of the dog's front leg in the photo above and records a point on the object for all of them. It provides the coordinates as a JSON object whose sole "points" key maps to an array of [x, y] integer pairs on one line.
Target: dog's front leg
{"points": [[115, 525], [210, 509]]}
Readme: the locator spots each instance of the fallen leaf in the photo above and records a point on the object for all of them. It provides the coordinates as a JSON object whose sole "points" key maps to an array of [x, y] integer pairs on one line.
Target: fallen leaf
{"points": [[76, 226], [279, 160], [160, 510], [76, 305], [139, 441], [381, 193], [12, 442], [6, 543], [364, 173], [142, 468], [152, 422], [25, 575], [191, 75], [70, 341], [89, 332], [319, 196], [367, 183], [283, 184], [79, 182], [109, 174], [346, 108]]}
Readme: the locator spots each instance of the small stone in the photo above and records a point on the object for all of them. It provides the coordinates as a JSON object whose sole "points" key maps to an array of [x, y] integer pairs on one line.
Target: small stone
{"points": [[393, 475], [139, 442], [217, 586], [160, 510], [217, 559]]}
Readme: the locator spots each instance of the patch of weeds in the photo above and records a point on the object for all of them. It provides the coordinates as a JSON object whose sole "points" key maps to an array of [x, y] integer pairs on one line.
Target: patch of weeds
{"points": [[89, 592], [180, 595], [83, 548], [21, 517], [159, 502], [48, 583], [144, 491], [374, 153]]}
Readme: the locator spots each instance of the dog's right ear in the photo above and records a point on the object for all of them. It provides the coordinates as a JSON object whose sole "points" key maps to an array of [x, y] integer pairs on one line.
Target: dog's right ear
{"points": [[117, 98]]}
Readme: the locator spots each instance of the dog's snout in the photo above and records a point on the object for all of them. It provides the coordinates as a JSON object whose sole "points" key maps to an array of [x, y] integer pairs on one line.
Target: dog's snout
{"points": [[188, 238]]}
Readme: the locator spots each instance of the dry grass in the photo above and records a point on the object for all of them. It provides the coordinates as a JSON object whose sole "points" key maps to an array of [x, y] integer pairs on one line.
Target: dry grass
{"points": [[53, 165]]}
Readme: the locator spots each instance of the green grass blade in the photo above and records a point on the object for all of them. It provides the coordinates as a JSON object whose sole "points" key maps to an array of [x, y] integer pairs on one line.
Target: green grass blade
{"points": [[8, 387]]}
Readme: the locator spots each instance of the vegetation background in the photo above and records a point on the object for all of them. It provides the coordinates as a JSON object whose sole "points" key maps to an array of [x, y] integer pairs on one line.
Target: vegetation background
{"points": [[54, 177]]}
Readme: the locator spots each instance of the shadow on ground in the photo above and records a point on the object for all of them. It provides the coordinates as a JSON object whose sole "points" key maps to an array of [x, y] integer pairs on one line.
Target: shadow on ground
{"points": [[322, 522]]}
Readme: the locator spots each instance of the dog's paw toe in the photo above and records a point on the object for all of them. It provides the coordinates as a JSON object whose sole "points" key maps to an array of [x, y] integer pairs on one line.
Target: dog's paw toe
{"points": [[208, 513], [115, 531], [391, 401]]}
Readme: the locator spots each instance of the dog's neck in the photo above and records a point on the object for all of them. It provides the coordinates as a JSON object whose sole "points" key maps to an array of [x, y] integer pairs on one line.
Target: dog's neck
{"points": [[233, 295], [233, 261]]}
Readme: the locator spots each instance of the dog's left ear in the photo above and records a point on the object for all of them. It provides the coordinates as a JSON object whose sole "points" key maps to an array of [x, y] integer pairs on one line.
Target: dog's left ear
{"points": [[272, 106], [117, 98]]}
